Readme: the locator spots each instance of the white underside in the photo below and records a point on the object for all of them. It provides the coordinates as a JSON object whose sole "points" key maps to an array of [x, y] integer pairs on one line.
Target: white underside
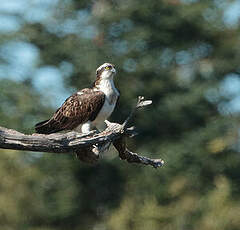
{"points": [[111, 96]]}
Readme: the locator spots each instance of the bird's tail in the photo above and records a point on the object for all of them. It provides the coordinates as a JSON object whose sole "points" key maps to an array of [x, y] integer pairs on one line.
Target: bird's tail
{"points": [[45, 127]]}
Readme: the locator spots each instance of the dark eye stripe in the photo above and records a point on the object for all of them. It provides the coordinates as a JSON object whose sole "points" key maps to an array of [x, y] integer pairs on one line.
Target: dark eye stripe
{"points": [[108, 67]]}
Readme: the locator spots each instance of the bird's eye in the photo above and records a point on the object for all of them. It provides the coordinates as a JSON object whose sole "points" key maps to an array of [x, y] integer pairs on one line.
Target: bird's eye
{"points": [[108, 67]]}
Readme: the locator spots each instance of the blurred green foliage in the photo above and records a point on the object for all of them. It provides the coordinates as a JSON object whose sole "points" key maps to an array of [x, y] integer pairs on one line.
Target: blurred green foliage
{"points": [[177, 53]]}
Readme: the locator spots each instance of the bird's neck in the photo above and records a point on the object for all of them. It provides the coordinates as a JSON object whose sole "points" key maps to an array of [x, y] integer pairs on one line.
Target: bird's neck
{"points": [[106, 86]]}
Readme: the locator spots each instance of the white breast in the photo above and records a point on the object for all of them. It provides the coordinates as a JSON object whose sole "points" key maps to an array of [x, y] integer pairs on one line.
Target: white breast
{"points": [[111, 96], [104, 113]]}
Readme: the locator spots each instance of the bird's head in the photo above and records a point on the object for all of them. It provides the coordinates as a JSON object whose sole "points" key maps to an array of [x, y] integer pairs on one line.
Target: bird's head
{"points": [[106, 71]]}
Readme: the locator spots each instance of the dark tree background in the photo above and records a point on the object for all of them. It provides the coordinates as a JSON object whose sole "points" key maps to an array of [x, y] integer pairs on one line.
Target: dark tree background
{"points": [[182, 54]]}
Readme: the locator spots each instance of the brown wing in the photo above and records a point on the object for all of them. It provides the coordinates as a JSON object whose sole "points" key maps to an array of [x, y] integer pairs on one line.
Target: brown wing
{"points": [[77, 109]]}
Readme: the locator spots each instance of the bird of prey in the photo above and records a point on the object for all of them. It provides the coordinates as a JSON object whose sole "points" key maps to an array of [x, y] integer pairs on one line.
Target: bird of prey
{"points": [[86, 109]]}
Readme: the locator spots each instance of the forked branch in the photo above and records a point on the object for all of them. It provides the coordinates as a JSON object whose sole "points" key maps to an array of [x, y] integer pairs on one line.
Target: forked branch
{"points": [[87, 147]]}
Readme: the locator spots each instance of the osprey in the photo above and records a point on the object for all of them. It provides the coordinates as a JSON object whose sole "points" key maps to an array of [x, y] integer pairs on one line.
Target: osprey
{"points": [[87, 108]]}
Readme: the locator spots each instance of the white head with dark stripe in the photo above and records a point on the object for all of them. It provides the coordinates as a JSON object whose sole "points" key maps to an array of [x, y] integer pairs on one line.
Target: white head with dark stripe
{"points": [[106, 71], [104, 80]]}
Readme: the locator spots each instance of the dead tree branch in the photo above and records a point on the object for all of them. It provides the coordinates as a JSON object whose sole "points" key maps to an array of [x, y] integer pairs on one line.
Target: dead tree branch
{"points": [[87, 147]]}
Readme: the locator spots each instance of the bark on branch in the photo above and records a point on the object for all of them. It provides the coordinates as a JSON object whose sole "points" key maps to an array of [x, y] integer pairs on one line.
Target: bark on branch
{"points": [[87, 147]]}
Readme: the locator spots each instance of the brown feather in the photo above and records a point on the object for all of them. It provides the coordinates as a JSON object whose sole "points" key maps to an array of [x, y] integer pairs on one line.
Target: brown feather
{"points": [[77, 109]]}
